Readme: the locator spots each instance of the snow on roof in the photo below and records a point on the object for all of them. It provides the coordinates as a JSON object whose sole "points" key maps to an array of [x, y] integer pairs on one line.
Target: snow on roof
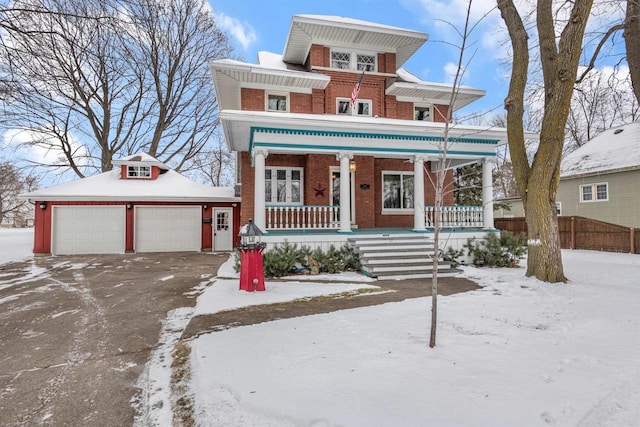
{"points": [[336, 20], [107, 186], [614, 149], [271, 60], [140, 159], [407, 76]]}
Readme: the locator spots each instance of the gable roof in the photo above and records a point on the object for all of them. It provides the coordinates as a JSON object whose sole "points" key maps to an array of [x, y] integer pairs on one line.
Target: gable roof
{"points": [[614, 150], [338, 31], [107, 186]]}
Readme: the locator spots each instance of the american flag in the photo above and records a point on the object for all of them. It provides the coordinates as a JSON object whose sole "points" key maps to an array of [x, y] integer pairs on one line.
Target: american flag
{"points": [[356, 89]]}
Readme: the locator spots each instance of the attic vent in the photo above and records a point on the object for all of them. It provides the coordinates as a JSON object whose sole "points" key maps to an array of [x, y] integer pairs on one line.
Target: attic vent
{"points": [[617, 131], [136, 158]]}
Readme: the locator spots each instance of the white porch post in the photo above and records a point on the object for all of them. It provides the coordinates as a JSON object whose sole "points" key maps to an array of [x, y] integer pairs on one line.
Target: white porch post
{"points": [[345, 193], [487, 192], [418, 193], [259, 219]]}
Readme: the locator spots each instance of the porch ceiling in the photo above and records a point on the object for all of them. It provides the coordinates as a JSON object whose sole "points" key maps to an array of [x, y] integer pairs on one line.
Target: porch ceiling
{"points": [[314, 133]]}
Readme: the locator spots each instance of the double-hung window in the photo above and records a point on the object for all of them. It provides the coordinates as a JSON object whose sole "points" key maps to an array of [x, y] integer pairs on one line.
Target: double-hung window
{"points": [[422, 113], [362, 107], [138, 172], [397, 190], [277, 102], [594, 192], [283, 186]]}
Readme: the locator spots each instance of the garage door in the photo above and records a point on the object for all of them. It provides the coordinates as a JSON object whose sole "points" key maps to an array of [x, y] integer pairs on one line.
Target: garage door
{"points": [[88, 230], [168, 228]]}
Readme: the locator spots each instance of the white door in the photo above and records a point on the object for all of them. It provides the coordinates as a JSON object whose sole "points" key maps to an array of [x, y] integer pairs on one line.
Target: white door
{"points": [[168, 228], [222, 229], [88, 230]]}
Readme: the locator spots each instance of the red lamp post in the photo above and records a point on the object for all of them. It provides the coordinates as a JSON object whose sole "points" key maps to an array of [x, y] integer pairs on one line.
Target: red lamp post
{"points": [[251, 267]]}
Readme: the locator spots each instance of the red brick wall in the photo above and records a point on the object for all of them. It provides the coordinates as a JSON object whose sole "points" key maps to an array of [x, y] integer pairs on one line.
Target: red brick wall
{"points": [[300, 103], [365, 189], [405, 110], [387, 63], [317, 175], [252, 99], [341, 86], [319, 56], [439, 113], [391, 107], [317, 101]]}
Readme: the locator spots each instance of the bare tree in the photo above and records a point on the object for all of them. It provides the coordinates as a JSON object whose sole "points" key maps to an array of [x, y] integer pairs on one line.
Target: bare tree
{"points": [[136, 79], [214, 165], [12, 184], [632, 43], [538, 180]]}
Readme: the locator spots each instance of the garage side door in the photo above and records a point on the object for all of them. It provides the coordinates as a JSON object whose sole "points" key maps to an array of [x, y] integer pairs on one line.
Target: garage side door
{"points": [[168, 228], [88, 230]]}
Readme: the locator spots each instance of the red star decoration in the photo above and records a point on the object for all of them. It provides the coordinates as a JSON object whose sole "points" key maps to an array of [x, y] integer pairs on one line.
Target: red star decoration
{"points": [[319, 190]]}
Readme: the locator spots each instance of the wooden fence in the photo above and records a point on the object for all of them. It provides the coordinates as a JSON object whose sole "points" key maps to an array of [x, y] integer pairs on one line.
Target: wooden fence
{"points": [[577, 232]]}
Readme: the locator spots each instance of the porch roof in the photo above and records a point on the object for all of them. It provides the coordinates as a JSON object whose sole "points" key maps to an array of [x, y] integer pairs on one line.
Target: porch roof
{"points": [[381, 137]]}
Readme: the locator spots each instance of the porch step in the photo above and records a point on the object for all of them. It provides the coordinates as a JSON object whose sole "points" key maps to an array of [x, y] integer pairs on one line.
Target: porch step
{"points": [[398, 256]]}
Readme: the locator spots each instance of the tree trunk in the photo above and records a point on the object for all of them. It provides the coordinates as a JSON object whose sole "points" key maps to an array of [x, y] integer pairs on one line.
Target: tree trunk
{"points": [[544, 260], [632, 43]]}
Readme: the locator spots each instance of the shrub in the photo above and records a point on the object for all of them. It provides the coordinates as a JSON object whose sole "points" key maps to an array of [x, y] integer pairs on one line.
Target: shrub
{"points": [[451, 256], [497, 251], [288, 258], [282, 260]]}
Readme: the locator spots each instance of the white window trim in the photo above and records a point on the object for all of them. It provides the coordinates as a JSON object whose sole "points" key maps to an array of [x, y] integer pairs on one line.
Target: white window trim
{"points": [[138, 175], [266, 101], [594, 192], [429, 106], [274, 186], [353, 59], [353, 111], [559, 208], [395, 211]]}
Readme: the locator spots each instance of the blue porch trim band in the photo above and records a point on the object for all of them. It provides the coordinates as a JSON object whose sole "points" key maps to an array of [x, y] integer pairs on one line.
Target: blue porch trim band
{"points": [[368, 135]]}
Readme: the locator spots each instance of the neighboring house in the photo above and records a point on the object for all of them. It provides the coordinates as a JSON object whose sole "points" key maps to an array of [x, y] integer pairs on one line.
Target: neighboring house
{"points": [[139, 206], [599, 180], [313, 159]]}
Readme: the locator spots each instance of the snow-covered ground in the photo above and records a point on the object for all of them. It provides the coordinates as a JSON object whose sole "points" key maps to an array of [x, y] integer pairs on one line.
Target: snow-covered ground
{"points": [[16, 244], [517, 352]]}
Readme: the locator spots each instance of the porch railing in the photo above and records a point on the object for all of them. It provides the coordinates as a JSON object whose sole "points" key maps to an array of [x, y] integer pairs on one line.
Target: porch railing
{"points": [[455, 216], [302, 217]]}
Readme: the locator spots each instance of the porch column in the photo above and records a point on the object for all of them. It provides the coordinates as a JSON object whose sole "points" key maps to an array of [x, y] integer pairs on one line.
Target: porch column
{"points": [[345, 193], [259, 218], [418, 193], [487, 192]]}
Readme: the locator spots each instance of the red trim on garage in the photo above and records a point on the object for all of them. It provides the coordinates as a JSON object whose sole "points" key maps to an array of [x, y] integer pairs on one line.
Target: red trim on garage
{"points": [[43, 224]]}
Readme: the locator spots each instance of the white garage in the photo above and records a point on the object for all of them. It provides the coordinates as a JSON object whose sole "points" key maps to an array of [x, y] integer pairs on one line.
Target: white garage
{"points": [[88, 230], [168, 228]]}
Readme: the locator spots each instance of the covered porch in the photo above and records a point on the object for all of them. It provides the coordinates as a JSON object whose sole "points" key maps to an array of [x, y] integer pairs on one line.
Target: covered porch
{"points": [[367, 173]]}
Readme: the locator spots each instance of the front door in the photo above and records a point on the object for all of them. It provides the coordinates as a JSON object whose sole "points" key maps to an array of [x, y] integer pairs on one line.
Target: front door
{"points": [[335, 190], [222, 229]]}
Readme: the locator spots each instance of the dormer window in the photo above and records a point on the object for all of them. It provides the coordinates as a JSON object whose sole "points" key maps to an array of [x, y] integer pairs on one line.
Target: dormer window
{"points": [[277, 102], [366, 62], [352, 60], [138, 171], [341, 60]]}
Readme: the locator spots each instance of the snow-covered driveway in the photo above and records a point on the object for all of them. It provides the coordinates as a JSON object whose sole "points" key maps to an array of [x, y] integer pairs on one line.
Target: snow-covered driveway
{"points": [[76, 332]]}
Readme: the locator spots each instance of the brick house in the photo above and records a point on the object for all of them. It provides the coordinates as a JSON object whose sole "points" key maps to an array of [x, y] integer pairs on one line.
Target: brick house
{"points": [[309, 161]]}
